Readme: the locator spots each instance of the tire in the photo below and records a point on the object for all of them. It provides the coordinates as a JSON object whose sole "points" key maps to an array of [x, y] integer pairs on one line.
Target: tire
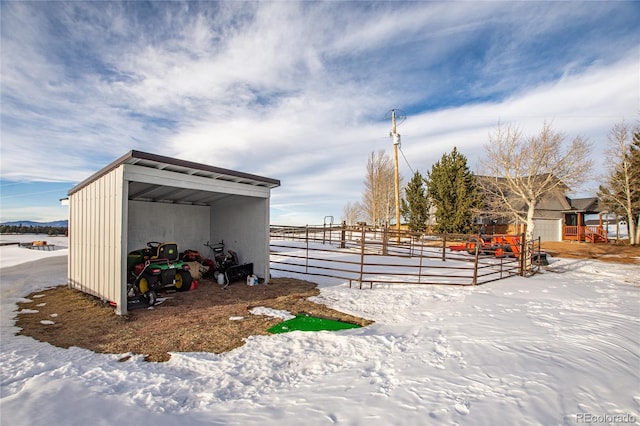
{"points": [[144, 285], [150, 297], [183, 280]]}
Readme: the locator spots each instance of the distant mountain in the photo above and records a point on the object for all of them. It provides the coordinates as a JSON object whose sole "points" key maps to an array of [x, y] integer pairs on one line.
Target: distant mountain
{"points": [[55, 223]]}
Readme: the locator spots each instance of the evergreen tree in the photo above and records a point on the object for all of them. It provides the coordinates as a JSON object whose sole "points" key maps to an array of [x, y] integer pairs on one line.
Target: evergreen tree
{"points": [[415, 205], [454, 192]]}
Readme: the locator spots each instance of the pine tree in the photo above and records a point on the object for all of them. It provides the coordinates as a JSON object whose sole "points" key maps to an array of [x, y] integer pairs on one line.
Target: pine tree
{"points": [[415, 205], [454, 192]]}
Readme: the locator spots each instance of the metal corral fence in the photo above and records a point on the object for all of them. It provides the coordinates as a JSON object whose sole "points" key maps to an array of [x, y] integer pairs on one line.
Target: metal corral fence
{"points": [[366, 255]]}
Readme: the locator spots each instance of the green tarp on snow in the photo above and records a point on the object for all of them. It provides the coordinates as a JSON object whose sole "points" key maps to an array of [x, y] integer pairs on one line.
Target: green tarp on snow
{"points": [[304, 322]]}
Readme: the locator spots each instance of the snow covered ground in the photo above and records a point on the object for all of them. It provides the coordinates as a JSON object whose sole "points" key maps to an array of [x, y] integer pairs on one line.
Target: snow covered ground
{"points": [[559, 348]]}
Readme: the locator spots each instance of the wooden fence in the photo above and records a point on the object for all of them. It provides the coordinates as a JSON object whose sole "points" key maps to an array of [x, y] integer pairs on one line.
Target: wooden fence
{"points": [[366, 256]]}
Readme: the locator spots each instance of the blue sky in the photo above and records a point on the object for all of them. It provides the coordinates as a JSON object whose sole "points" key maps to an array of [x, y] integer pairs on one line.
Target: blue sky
{"points": [[298, 91]]}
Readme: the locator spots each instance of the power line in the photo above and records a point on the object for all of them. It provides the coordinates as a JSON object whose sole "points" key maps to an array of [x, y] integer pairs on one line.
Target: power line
{"points": [[406, 161]]}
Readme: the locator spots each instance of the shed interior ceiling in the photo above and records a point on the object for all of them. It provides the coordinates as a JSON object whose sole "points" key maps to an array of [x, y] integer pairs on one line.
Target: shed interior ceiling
{"points": [[177, 168], [139, 191], [153, 192], [161, 193]]}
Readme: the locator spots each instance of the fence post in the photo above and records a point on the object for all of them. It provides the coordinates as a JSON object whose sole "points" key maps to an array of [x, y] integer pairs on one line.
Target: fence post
{"points": [[523, 254], [538, 260], [420, 268], [343, 234], [475, 263], [306, 262], [385, 239], [444, 247], [324, 232], [362, 235]]}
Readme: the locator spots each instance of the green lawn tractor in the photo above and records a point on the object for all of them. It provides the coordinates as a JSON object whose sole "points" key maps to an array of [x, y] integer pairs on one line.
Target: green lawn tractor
{"points": [[153, 269]]}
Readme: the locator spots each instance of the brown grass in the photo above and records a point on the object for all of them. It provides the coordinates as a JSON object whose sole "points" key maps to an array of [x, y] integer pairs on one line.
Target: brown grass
{"points": [[199, 321], [194, 321]]}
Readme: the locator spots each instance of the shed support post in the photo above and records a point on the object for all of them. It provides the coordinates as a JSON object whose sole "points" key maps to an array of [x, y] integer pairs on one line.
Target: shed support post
{"points": [[121, 305]]}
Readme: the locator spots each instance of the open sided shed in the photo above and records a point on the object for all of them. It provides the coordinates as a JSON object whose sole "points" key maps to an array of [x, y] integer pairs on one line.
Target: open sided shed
{"points": [[143, 197]]}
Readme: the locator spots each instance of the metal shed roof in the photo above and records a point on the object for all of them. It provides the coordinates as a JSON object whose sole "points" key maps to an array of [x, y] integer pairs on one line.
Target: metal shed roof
{"points": [[161, 193]]}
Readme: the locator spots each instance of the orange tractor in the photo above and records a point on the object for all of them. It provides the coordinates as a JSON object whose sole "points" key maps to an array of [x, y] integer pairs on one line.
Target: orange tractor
{"points": [[497, 245]]}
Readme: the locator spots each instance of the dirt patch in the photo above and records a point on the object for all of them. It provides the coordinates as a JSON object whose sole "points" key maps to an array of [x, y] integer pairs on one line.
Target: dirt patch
{"points": [[618, 253], [203, 320]]}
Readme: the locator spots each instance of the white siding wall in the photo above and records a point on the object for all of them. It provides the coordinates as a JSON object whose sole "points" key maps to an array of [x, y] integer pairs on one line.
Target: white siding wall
{"points": [[243, 224], [96, 214], [186, 225]]}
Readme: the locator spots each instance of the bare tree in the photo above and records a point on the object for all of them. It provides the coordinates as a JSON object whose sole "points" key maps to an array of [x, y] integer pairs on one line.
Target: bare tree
{"points": [[520, 171], [621, 191], [352, 213], [378, 199]]}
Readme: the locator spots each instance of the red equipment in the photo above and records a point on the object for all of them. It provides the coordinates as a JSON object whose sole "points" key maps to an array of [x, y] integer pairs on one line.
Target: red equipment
{"points": [[497, 245]]}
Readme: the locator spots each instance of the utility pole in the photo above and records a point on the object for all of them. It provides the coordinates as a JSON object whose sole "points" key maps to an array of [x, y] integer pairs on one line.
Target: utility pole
{"points": [[396, 143]]}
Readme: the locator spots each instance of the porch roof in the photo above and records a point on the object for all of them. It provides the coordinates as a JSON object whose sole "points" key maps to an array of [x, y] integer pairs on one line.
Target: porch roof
{"points": [[584, 205]]}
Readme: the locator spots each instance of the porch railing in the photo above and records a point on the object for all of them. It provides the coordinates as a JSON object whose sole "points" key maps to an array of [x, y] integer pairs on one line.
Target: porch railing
{"points": [[585, 233]]}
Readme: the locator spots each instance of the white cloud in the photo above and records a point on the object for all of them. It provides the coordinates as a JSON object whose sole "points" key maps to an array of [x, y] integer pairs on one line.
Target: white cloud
{"points": [[298, 91]]}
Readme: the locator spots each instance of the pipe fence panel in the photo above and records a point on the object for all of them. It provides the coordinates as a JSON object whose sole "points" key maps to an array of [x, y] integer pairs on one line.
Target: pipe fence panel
{"points": [[366, 255]]}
